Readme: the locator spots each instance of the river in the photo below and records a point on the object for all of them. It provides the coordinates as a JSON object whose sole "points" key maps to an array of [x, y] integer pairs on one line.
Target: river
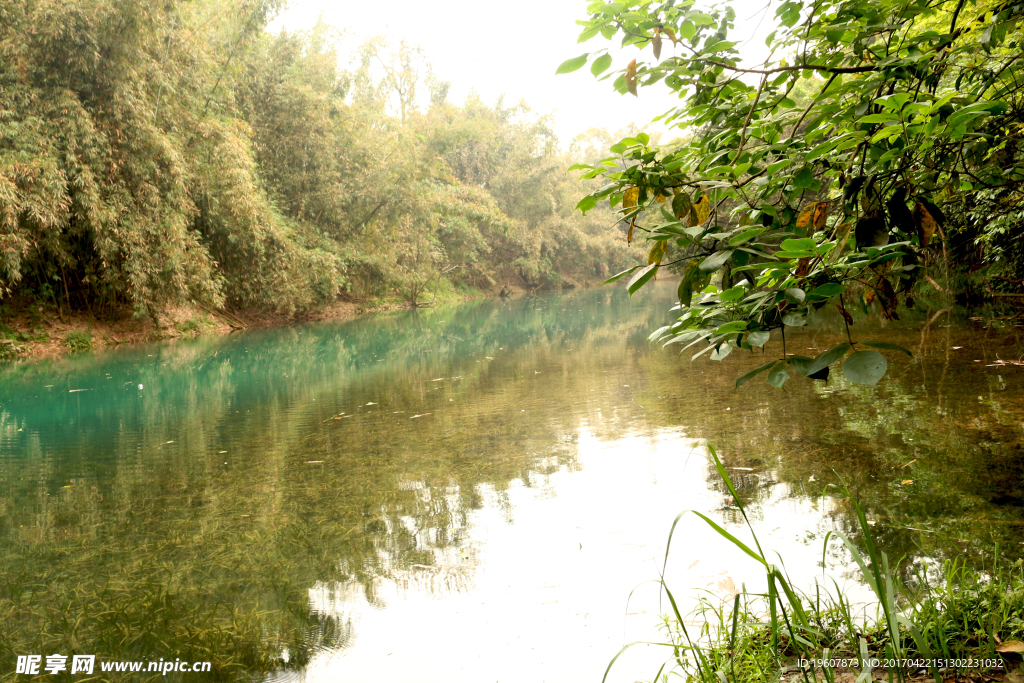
{"points": [[471, 494]]}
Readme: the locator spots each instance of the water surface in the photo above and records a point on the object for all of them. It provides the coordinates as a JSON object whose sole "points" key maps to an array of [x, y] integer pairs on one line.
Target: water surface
{"points": [[469, 494]]}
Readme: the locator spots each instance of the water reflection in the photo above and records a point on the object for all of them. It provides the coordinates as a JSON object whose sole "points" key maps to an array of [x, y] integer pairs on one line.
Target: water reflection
{"points": [[465, 493]]}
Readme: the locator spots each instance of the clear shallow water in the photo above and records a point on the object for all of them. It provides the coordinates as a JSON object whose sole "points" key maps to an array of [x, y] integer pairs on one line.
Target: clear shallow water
{"points": [[468, 494]]}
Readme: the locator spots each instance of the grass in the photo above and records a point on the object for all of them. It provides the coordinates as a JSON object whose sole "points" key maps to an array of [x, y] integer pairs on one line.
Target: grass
{"points": [[931, 613], [194, 326], [79, 340]]}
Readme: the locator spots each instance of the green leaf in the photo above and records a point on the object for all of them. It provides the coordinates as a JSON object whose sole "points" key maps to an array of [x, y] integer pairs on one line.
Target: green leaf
{"points": [[754, 373], [778, 375], [641, 278], [827, 358], [804, 178], [716, 260], [601, 64], [586, 204], [865, 367], [879, 118], [803, 244], [759, 338], [795, 295], [745, 236], [887, 346], [734, 326], [827, 290], [794, 320], [615, 277], [610, 8], [570, 65], [800, 363], [793, 254], [721, 351], [733, 294], [726, 535]]}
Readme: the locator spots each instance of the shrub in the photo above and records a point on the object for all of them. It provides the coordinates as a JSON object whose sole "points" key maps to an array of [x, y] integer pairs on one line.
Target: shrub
{"points": [[78, 341]]}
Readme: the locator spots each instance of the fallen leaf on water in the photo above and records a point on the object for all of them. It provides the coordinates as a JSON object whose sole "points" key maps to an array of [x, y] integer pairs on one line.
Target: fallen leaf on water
{"points": [[907, 481], [910, 463], [728, 585], [420, 415], [1011, 646], [694, 564], [313, 462]]}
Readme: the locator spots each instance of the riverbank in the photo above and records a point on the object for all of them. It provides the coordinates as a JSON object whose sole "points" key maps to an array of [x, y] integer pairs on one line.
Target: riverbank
{"points": [[30, 328], [930, 620]]}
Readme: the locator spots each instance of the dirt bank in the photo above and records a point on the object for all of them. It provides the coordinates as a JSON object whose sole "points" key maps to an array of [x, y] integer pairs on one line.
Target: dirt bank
{"points": [[34, 329], [38, 330]]}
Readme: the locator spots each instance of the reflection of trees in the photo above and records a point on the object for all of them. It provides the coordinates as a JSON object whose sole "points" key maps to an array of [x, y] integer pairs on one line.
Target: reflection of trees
{"points": [[127, 531], [113, 540], [949, 424]]}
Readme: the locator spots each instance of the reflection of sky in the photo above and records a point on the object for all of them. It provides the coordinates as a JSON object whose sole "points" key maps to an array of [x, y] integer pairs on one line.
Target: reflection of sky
{"points": [[500, 531], [548, 570]]}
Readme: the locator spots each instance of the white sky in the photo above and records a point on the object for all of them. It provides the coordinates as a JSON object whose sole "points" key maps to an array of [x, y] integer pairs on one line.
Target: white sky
{"points": [[513, 48]]}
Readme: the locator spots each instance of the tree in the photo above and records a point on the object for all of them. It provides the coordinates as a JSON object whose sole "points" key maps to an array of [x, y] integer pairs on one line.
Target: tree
{"points": [[915, 104]]}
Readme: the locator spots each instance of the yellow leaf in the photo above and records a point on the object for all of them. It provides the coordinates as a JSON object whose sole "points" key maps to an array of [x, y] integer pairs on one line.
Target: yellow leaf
{"points": [[1011, 646], [656, 253], [905, 482], [661, 198], [629, 235], [814, 214], [631, 78], [703, 209], [820, 215], [671, 34], [925, 223], [630, 197], [691, 218], [805, 216]]}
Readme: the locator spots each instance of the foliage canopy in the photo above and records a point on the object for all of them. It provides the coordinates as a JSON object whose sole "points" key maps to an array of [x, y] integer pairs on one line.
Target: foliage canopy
{"points": [[822, 176], [157, 152]]}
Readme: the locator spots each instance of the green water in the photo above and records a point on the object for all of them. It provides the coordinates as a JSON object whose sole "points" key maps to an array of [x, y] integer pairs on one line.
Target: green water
{"points": [[466, 494]]}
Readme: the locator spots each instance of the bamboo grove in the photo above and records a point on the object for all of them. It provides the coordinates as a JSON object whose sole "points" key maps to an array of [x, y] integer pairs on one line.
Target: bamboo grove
{"points": [[161, 152]]}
